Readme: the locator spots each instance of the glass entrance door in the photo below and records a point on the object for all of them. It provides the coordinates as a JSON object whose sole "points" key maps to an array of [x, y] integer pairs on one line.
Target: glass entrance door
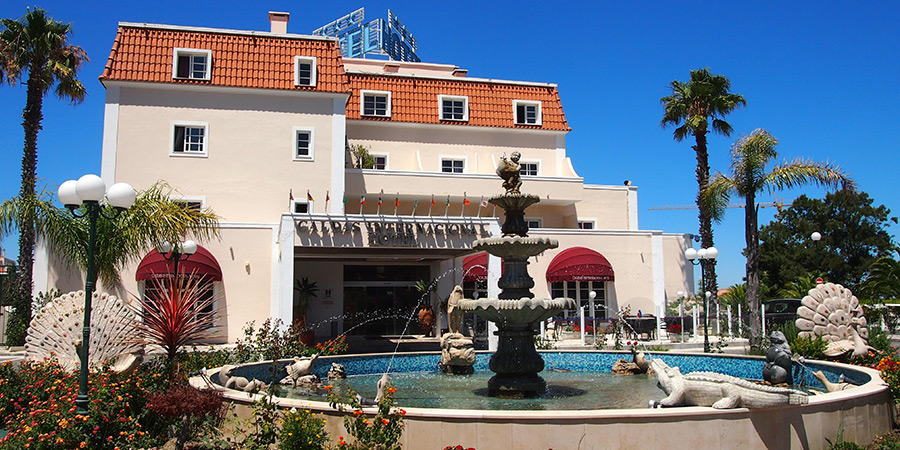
{"points": [[380, 310], [382, 299]]}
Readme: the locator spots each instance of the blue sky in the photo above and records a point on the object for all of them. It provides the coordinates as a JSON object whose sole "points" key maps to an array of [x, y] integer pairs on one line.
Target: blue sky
{"points": [[822, 77]]}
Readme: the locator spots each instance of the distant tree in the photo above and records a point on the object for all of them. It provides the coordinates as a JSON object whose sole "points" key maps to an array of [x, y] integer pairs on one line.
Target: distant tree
{"points": [[364, 159], [734, 296], [854, 235], [749, 157], [694, 108], [800, 287], [882, 282], [36, 46]]}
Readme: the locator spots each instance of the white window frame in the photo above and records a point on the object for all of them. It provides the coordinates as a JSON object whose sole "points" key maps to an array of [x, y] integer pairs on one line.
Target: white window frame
{"points": [[179, 51], [312, 144], [465, 101], [464, 159], [539, 220], [593, 222], [539, 117], [309, 206], [182, 153], [387, 160], [313, 75], [362, 102], [538, 163]]}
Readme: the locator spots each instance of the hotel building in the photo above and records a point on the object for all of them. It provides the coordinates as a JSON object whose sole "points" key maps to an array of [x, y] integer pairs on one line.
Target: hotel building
{"points": [[261, 127]]}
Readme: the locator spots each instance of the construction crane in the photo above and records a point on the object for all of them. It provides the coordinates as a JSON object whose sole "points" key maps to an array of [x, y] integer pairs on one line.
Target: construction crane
{"points": [[778, 205]]}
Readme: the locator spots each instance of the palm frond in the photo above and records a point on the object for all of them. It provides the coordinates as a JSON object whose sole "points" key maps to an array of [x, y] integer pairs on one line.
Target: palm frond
{"points": [[803, 171], [717, 195]]}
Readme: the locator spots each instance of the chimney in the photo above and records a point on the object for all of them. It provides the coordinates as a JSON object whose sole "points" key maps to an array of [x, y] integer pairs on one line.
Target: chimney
{"points": [[460, 72], [279, 21]]}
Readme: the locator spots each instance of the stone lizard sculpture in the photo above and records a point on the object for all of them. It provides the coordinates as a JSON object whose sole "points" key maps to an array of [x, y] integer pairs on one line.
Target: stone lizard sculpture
{"points": [[719, 391]]}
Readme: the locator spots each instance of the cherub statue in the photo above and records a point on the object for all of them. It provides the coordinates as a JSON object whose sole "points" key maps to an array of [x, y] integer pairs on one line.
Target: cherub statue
{"points": [[508, 169], [454, 314]]}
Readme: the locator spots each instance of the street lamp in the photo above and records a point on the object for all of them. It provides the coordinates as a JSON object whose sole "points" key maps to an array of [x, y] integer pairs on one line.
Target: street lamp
{"points": [[681, 312], [816, 237], [88, 191], [698, 257], [177, 252]]}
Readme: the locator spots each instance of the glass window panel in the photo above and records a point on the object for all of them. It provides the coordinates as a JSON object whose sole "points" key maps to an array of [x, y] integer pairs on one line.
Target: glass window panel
{"points": [[302, 143]]}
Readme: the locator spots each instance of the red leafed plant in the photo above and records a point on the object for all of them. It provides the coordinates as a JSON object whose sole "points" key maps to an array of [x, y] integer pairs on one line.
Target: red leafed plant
{"points": [[174, 317]]}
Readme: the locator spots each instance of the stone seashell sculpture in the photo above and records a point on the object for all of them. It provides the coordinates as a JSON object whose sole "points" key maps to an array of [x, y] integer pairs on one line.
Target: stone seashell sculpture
{"points": [[834, 313], [56, 332]]}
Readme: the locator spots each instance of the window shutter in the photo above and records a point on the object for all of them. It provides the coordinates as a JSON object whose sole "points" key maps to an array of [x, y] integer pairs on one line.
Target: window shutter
{"points": [[178, 145], [184, 66]]}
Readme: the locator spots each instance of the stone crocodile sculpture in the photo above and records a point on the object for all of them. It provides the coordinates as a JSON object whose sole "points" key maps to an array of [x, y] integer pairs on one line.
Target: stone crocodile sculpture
{"points": [[719, 391]]}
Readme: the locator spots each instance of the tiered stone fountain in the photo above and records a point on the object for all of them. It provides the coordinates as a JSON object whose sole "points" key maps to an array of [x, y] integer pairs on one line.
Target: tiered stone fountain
{"points": [[516, 363]]}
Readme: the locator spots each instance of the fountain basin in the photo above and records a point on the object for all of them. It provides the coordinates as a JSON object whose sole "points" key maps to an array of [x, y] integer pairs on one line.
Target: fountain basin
{"points": [[863, 412], [515, 246]]}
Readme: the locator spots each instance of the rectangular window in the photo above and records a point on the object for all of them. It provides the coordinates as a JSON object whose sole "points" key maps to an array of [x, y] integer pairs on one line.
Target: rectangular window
{"points": [[203, 290], [304, 71], [586, 224], [375, 103], [191, 205], [192, 64], [534, 223], [189, 139], [303, 144], [380, 162], [454, 108], [528, 169], [452, 165], [527, 112], [301, 207]]}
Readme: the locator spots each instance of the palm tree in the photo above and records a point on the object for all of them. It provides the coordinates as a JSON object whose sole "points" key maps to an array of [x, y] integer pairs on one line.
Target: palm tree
{"points": [[690, 108], [36, 46], [749, 157], [153, 218], [883, 281]]}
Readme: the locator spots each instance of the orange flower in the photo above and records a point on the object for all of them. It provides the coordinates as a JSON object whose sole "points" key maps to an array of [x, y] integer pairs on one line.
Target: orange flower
{"points": [[385, 421], [357, 412], [327, 388], [391, 390]]}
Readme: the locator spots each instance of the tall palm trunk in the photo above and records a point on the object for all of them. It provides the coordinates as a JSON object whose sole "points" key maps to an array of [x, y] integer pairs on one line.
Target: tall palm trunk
{"points": [[31, 123], [708, 269], [751, 233]]}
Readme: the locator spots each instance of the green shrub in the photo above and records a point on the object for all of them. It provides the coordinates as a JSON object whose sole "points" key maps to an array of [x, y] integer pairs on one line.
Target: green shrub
{"points": [[303, 430], [809, 347]]}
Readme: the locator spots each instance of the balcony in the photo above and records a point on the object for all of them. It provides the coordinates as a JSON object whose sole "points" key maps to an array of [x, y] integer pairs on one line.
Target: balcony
{"points": [[554, 191]]}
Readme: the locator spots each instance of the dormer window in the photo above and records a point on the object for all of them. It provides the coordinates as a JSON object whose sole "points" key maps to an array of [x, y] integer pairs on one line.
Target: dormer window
{"points": [[527, 112], [454, 108], [304, 71], [375, 103], [191, 64]]}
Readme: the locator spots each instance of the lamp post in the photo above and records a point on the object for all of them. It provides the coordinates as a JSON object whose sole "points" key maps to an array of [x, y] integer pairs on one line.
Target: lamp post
{"points": [[88, 191], [681, 312], [698, 257], [592, 295], [816, 237]]}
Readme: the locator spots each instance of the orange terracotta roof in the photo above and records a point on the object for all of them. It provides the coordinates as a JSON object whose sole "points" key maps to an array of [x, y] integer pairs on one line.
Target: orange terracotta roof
{"points": [[239, 59], [415, 99]]}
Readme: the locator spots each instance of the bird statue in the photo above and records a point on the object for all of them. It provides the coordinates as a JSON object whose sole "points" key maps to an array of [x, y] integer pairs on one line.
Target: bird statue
{"points": [[301, 367], [834, 313], [454, 314], [829, 386]]}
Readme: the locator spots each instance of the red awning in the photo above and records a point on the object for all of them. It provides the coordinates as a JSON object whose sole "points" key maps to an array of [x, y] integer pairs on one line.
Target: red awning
{"points": [[579, 264], [201, 264], [475, 267]]}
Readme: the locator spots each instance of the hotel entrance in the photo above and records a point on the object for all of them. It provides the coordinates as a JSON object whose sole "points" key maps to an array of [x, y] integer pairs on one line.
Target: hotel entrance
{"points": [[381, 299]]}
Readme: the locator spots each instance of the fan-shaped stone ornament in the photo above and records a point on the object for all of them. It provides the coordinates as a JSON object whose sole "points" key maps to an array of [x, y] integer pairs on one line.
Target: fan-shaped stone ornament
{"points": [[56, 332], [834, 313]]}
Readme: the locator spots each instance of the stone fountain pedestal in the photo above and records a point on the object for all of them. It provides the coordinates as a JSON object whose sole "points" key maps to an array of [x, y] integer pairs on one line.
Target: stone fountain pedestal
{"points": [[516, 363], [457, 354]]}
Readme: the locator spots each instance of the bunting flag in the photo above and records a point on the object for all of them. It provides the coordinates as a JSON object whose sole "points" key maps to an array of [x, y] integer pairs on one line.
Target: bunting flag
{"points": [[415, 205], [362, 201], [291, 201], [447, 208], [433, 203], [396, 203], [466, 201], [482, 204], [345, 199], [379, 198], [380, 202], [327, 197], [309, 197]]}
